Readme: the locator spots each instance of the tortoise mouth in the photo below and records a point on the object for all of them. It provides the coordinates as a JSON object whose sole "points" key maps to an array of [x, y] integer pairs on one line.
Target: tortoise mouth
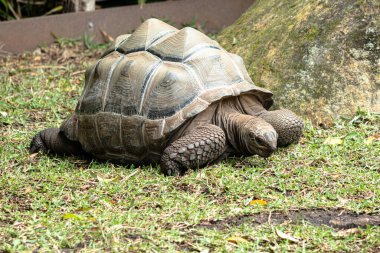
{"points": [[264, 151], [262, 144]]}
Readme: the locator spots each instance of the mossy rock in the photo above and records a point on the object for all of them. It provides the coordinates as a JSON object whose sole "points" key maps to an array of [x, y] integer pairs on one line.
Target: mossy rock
{"points": [[320, 57]]}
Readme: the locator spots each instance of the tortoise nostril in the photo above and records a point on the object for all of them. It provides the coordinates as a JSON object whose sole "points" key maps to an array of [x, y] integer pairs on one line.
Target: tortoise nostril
{"points": [[271, 140], [270, 136]]}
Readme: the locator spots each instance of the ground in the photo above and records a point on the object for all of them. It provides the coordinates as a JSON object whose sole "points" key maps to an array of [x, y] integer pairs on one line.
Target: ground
{"points": [[321, 195]]}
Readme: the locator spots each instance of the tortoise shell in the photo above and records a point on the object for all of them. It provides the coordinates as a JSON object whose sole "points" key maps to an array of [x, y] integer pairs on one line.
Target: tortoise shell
{"points": [[148, 84]]}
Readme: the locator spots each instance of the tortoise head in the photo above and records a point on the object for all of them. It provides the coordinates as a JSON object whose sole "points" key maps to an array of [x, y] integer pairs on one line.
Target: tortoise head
{"points": [[258, 137]]}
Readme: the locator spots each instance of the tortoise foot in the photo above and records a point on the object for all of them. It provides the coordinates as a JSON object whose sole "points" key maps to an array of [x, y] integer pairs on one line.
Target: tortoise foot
{"points": [[288, 125], [37, 144], [200, 147]]}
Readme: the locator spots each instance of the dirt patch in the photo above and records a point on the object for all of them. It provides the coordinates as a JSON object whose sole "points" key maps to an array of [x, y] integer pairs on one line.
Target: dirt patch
{"points": [[20, 203], [336, 218]]}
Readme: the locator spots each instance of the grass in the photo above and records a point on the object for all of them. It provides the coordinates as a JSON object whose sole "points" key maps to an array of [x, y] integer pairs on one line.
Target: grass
{"points": [[64, 204]]}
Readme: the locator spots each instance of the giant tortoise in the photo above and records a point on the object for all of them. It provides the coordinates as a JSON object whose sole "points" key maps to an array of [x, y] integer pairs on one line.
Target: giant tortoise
{"points": [[173, 97]]}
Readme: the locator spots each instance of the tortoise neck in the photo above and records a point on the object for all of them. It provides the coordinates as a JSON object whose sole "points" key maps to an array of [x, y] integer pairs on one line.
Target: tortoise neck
{"points": [[246, 104], [251, 105], [232, 119]]}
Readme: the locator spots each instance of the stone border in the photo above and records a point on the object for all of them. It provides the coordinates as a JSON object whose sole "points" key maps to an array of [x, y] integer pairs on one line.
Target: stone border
{"points": [[27, 34]]}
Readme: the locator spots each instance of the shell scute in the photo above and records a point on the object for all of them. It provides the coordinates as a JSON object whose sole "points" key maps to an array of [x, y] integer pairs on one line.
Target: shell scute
{"points": [[127, 88], [211, 71], [170, 90], [108, 127], [182, 45], [92, 96], [88, 135], [132, 136], [149, 33]]}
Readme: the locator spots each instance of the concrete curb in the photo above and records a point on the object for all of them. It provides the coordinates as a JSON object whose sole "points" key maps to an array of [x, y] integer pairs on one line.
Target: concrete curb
{"points": [[27, 34]]}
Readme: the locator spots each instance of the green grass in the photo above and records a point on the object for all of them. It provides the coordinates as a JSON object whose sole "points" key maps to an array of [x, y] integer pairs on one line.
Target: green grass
{"points": [[50, 203]]}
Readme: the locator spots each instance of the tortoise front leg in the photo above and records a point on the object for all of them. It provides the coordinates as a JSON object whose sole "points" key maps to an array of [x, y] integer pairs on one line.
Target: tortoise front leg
{"points": [[53, 140], [288, 125], [201, 146]]}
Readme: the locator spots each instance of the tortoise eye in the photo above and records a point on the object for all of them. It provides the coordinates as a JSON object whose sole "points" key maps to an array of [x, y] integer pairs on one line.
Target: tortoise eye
{"points": [[260, 141]]}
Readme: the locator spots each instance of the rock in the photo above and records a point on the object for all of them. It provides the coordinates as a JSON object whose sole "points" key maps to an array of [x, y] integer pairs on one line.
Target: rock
{"points": [[320, 58]]}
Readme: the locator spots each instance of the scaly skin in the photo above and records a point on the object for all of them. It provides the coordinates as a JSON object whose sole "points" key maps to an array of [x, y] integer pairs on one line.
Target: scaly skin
{"points": [[288, 126], [247, 134], [54, 141], [201, 146]]}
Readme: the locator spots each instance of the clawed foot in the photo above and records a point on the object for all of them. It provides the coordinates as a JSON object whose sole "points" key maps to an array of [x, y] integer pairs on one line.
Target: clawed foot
{"points": [[37, 144], [52, 140], [201, 146], [172, 168], [288, 125]]}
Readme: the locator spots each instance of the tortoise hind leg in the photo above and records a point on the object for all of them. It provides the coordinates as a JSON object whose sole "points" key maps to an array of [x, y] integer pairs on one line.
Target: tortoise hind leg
{"points": [[53, 140], [201, 146], [287, 125]]}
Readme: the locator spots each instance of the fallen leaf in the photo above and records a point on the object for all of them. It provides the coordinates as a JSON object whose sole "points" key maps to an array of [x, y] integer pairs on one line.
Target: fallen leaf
{"points": [[258, 202], [335, 176], [67, 198], [106, 36], [343, 201], [234, 41], [236, 240], [347, 232], [115, 228], [288, 237], [131, 175], [18, 224], [106, 204], [83, 209], [31, 156], [93, 229], [370, 139], [333, 141], [107, 180], [38, 51], [67, 54], [39, 227], [376, 136], [91, 219], [37, 58], [71, 216], [237, 210], [318, 162], [28, 189]]}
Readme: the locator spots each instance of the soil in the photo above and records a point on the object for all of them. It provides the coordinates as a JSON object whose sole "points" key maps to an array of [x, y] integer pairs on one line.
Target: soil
{"points": [[336, 218]]}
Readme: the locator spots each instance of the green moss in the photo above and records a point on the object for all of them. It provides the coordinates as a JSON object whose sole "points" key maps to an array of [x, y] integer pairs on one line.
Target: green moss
{"points": [[360, 2], [300, 50], [312, 33]]}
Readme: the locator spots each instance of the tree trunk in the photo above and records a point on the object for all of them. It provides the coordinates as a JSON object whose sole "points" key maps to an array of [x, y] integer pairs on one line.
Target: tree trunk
{"points": [[79, 5], [319, 57]]}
